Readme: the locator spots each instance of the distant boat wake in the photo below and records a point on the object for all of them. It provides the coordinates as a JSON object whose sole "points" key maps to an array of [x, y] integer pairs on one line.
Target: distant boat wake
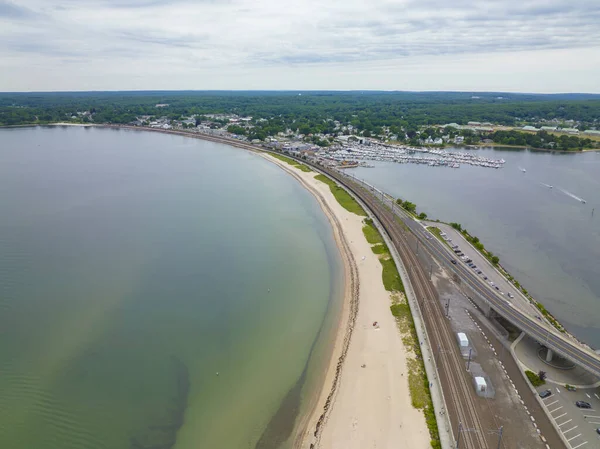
{"points": [[546, 185], [522, 169], [581, 200]]}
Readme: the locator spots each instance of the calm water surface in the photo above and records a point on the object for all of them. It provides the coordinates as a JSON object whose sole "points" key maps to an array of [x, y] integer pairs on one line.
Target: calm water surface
{"points": [[134, 267], [547, 239]]}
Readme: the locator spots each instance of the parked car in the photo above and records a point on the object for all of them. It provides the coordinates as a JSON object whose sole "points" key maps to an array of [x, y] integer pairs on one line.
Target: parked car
{"points": [[479, 271], [570, 387], [485, 278], [510, 295], [544, 394], [583, 404], [496, 287], [453, 261], [598, 430]]}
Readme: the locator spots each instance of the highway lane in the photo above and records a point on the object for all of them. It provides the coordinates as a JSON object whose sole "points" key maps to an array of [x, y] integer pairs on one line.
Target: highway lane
{"points": [[543, 333]]}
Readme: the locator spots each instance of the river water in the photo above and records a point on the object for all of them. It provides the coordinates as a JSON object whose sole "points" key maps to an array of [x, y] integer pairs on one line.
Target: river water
{"points": [[156, 291], [544, 236]]}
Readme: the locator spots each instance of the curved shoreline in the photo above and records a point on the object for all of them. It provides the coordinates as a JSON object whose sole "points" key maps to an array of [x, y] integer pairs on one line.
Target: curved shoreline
{"points": [[362, 400], [317, 417]]}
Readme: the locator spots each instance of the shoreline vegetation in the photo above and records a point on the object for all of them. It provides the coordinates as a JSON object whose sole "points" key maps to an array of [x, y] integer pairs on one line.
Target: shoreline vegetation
{"points": [[417, 378], [342, 197], [417, 392], [411, 208]]}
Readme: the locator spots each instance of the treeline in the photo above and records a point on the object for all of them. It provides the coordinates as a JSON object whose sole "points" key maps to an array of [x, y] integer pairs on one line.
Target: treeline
{"points": [[541, 139], [476, 243], [307, 112]]}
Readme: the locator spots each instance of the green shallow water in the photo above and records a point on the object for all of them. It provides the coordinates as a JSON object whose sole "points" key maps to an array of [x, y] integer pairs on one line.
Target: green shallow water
{"points": [[134, 267]]}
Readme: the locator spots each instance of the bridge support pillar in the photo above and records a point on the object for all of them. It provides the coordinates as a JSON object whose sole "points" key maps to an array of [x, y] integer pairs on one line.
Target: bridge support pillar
{"points": [[549, 355]]}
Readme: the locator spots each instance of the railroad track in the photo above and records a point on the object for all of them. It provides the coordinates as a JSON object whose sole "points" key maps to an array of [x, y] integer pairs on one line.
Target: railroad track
{"points": [[451, 367]]}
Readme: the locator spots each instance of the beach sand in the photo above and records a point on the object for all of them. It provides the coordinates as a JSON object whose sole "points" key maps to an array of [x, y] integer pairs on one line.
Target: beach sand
{"points": [[370, 406]]}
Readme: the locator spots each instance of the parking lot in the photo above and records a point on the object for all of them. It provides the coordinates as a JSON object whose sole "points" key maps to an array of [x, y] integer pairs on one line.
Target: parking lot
{"points": [[488, 270], [578, 425]]}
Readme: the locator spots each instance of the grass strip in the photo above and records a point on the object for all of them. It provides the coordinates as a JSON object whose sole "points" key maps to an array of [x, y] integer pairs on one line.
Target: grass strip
{"points": [[438, 233], [391, 278], [534, 379], [292, 162], [342, 197], [371, 233], [418, 383]]}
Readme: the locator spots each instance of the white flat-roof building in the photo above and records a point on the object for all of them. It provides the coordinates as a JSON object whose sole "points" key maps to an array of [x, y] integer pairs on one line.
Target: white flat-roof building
{"points": [[570, 130], [480, 384], [463, 340]]}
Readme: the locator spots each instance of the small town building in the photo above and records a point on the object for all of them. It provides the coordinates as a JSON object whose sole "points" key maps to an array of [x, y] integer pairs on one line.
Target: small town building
{"points": [[480, 384]]}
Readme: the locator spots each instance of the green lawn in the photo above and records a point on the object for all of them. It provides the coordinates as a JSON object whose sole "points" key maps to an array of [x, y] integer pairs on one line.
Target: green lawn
{"points": [[292, 162], [371, 233], [342, 197], [391, 278], [438, 234], [418, 384]]}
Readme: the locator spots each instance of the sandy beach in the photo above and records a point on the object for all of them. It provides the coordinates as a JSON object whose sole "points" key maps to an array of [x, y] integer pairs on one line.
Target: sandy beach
{"points": [[368, 406]]}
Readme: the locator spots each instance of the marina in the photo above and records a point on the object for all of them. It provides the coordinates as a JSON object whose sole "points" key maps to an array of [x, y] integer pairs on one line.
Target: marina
{"points": [[353, 155]]}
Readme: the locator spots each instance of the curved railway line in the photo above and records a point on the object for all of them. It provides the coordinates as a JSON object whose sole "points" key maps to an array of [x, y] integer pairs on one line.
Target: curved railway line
{"points": [[451, 367]]}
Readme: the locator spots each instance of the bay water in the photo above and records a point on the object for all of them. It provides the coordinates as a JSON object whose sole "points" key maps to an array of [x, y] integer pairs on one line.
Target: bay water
{"points": [[156, 291]]}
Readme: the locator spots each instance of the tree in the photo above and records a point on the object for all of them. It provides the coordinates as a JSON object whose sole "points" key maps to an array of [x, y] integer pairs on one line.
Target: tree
{"points": [[422, 216], [495, 260], [542, 375], [410, 207]]}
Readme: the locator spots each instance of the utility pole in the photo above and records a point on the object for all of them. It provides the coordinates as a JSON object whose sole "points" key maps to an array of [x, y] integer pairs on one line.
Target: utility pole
{"points": [[460, 430], [500, 436], [430, 270], [447, 306], [469, 361], [499, 432]]}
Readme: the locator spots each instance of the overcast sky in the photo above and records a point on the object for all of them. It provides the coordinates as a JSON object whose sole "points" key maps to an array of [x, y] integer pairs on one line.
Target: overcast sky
{"points": [[483, 45]]}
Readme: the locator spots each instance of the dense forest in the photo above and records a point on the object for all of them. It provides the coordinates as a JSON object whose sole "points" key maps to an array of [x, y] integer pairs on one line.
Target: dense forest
{"points": [[309, 112]]}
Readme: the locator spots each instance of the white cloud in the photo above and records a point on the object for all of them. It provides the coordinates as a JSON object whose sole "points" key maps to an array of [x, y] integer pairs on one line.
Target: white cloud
{"points": [[307, 44]]}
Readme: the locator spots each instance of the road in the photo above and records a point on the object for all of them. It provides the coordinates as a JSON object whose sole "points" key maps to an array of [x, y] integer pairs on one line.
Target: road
{"points": [[518, 300], [538, 329]]}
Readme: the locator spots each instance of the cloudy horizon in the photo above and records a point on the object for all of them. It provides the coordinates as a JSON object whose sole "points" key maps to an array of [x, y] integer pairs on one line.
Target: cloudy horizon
{"points": [[501, 46]]}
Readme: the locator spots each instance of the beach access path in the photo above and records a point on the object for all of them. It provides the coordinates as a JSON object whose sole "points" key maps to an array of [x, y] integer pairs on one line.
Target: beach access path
{"points": [[371, 405]]}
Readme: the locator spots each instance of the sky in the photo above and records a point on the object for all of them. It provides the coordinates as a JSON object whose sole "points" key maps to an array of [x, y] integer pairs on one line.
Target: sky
{"points": [[485, 45]]}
